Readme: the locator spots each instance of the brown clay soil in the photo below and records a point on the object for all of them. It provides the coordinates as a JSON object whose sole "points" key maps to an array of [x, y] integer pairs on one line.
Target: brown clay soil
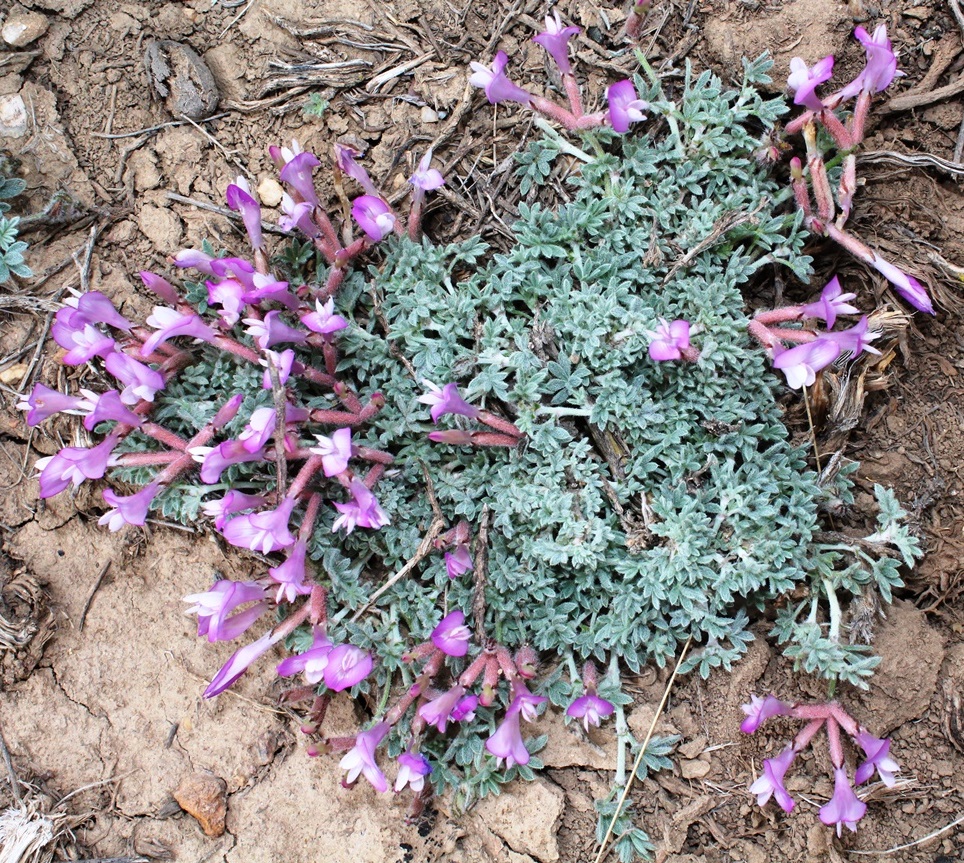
{"points": [[101, 673]]}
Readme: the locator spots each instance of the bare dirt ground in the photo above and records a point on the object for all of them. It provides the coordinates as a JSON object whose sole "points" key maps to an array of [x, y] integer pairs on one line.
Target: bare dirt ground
{"points": [[101, 678]]}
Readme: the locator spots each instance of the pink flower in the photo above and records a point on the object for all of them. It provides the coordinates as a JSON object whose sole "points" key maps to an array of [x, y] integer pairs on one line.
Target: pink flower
{"points": [[195, 260], [141, 382], [72, 465], [272, 331], [439, 710], [239, 198], [214, 608], [524, 701], [458, 562], [845, 809], [160, 286], [426, 178], [312, 662], [555, 39], [625, 106], [374, 217], [591, 709], [103, 407], [323, 319], [335, 451], [345, 160], [506, 744], [95, 308], [239, 663], [290, 575], [412, 770], [298, 216], [855, 340], [877, 751], [465, 709], [907, 286], [497, 86], [833, 301], [669, 340], [44, 402], [233, 502], [297, 174], [229, 295], [128, 510], [804, 80], [170, 323], [881, 66], [761, 709], [347, 665], [452, 636], [801, 364], [262, 531], [283, 362], [81, 339], [362, 511], [770, 783], [446, 401], [361, 759], [214, 460]]}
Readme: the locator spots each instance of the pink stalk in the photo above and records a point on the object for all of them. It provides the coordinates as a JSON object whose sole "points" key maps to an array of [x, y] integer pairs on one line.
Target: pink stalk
{"points": [[572, 92], [308, 470], [841, 135], [374, 455], [168, 438], [146, 459], [498, 423], [778, 316], [833, 737]]}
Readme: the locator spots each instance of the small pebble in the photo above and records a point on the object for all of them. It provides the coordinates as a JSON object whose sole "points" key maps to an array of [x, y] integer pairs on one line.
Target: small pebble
{"points": [[13, 116], [23, 27], [270, 192]]}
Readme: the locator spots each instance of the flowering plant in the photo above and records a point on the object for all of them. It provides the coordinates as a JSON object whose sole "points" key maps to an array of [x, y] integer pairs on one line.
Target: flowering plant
{"points": [[471, 473]]}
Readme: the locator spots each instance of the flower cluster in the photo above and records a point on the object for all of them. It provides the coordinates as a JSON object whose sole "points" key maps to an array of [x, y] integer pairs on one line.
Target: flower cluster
{"points": [[812, 184], [844, 809]]}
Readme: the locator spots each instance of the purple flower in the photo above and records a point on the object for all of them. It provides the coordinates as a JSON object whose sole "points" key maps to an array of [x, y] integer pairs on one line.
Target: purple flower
{"points": [[833, 301], [770, 783], [170, 323], [497, 86], [440, 709], [140, 381], [426, 178], [555, 39], [128, 510], [446, 401], [215, 459], [855, 340], [107, 406], [507, 743], [374, 217], [239, 662], [239, 198], [312, 662], [195, 260], [465, 709], [297, 174], [229, 295], [458, 562], [80, 338], [323, 319], [233, 502], [362, 511], [160, 286], [845, 809], [283, 362], [452, 636], [335, 451], [272, 331], [298, 215], [347, 665], [345, 160], [524, 701], [72, 465], [761, 709], [258, 430], [290, 575], [801, 364], [625, 106], [412, 770], [214, 608], [591, 709], [361, 759], [877, 751], [907, 286], [804, 80], [95, 308], [669, 340], [262, 531], [44, 402], [881, 67]]}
